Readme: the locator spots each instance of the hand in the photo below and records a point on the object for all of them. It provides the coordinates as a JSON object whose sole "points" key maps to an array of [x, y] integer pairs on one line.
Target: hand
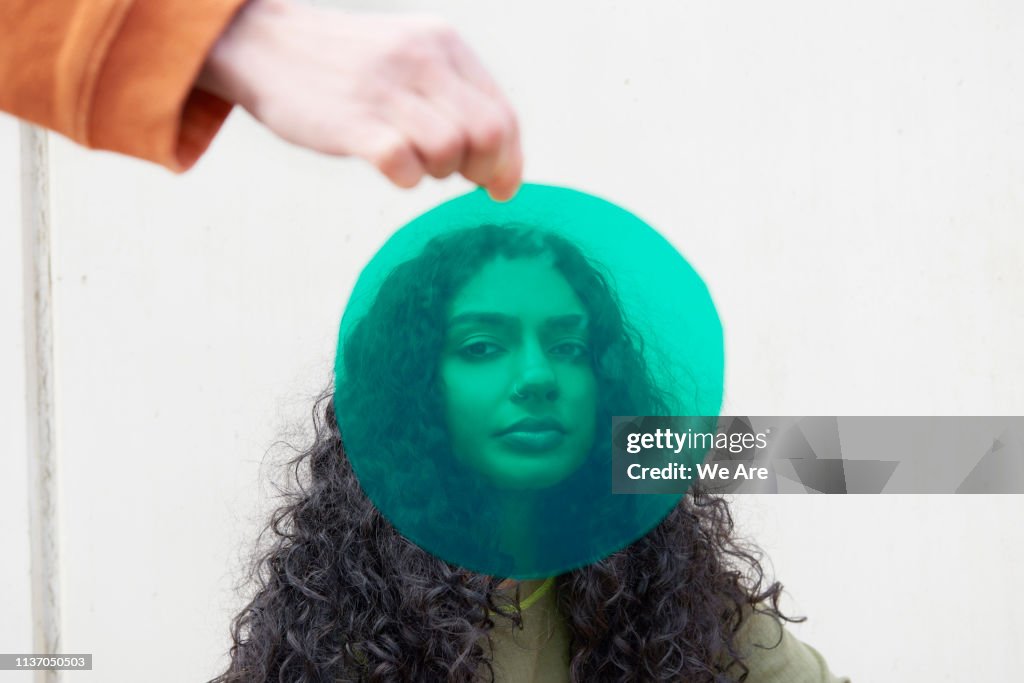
{"points": [[403, 92]]}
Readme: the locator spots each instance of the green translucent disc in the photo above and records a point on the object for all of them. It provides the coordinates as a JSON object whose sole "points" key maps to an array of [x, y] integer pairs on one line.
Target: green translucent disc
{"points": [[481, 357]]}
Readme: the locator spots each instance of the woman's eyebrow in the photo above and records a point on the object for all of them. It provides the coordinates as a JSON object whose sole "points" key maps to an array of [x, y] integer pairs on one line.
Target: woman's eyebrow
{"points": [[484, 318], [569, 321]]}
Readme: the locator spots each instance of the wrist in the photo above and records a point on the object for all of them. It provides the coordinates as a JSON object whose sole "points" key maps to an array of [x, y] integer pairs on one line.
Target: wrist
{"points": [[227, 70]]}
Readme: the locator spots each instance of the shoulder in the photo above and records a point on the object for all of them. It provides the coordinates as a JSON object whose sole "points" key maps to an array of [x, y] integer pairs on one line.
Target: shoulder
{"points": [[774, 655]]}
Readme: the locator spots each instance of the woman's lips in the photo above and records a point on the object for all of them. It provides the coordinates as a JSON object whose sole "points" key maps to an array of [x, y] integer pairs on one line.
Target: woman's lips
{"points": [[534, 424], [532, 441]]}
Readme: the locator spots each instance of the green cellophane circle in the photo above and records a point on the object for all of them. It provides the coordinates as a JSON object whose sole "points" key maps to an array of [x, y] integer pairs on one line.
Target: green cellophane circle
{"points": [[420, 408]]}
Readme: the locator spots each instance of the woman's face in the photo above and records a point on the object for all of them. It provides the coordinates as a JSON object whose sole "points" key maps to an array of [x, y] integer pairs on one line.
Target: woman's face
{"points": [[519, 390]]}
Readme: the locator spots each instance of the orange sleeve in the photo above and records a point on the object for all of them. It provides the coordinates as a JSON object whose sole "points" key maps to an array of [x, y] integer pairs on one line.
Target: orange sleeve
{"points": [[115, 74]]}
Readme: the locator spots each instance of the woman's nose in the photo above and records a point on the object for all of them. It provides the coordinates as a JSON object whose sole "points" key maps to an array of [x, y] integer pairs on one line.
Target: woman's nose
{"points": [[536, 377]]}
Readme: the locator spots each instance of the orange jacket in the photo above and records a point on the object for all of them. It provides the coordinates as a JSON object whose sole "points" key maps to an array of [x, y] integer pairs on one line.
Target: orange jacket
{"points": [[115, 74]]}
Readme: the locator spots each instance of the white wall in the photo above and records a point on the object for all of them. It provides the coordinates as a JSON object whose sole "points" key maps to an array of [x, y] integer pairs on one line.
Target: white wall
{"points": [[846, 177]]}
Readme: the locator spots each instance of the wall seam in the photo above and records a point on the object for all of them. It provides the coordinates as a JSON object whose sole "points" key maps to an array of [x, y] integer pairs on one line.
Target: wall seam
{"points": [[40, 399]]}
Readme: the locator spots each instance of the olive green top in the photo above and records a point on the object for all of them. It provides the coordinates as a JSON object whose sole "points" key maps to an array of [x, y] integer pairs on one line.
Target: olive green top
{"points": [[539, 652]]}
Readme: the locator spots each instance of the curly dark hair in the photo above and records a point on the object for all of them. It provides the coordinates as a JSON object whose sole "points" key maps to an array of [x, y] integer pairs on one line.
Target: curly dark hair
{"points": [[341, 595]]}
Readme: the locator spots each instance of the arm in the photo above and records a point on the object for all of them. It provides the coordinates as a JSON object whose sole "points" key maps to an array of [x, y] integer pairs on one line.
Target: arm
{"points": [[115, 74], [401, 91], [156, 78]]}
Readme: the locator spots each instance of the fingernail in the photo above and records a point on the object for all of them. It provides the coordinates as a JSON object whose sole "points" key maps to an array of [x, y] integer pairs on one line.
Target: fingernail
{"points": [[503, 194]]}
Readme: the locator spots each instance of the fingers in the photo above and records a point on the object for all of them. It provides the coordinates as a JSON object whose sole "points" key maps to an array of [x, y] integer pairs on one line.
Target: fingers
{"points": [[454, 117], [439, 142], [507, 170], [453, 126], [393, 155], [485, 127], [404, 93], [510, 171]]}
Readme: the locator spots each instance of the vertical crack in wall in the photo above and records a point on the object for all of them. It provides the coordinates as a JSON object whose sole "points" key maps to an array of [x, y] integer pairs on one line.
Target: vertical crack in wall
{"points": [[40, 403]]}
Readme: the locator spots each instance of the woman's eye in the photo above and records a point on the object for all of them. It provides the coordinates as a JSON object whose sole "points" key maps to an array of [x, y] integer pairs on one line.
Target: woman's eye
{"points": [[480, 349], [571, 350]]}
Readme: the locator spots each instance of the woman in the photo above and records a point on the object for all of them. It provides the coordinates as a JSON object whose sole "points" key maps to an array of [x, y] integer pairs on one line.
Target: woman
{"points": [[494, 346]]}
